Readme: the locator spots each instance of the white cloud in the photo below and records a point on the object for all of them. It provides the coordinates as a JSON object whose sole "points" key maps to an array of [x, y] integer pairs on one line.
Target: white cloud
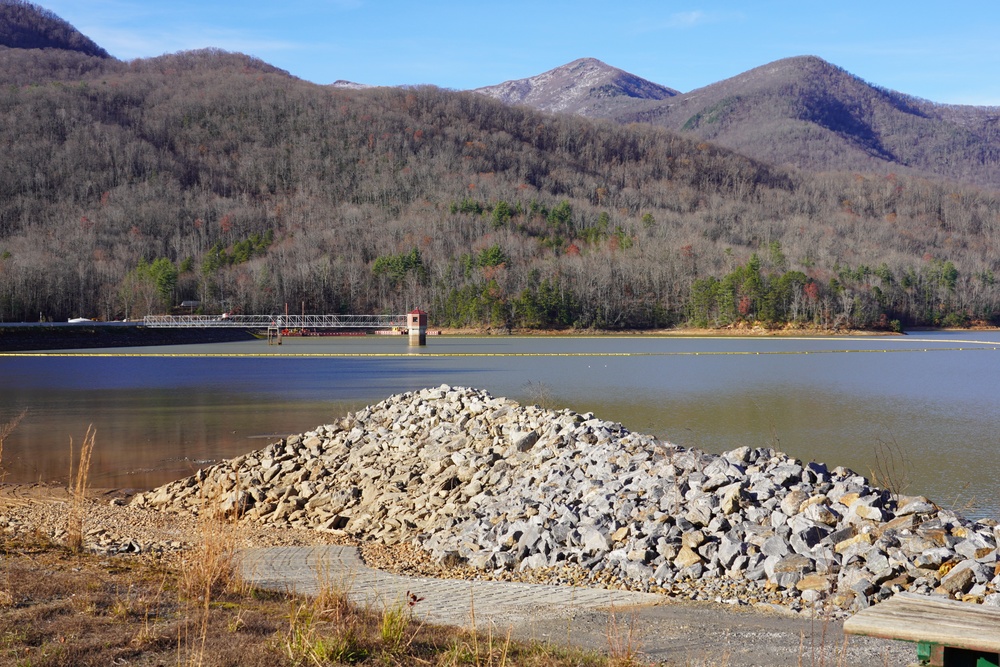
{"points": [[688, 20]]}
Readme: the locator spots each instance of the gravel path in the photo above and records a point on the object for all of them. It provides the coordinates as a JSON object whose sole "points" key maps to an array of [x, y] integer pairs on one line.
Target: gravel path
{"points": [[445, 601], [672, 632], [676, 633]]}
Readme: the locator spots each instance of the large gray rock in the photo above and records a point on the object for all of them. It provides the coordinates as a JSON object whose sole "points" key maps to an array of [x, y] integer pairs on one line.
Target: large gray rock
{"points": [[522, 442], [505, 487]]}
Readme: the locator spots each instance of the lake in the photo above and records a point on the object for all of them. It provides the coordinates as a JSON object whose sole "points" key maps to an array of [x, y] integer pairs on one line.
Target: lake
{"points": [[922, 409]]}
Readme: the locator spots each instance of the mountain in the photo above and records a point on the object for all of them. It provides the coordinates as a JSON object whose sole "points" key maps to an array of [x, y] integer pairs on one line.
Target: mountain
{"points": [[215, 177], [807, 113], [587, 87], [127, 188], [811, 114], [24, 25], [350, 85]]}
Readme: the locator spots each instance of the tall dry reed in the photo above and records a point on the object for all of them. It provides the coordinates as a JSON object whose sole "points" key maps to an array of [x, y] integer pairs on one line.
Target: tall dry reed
{"points": [[79, 475], [5, 430], [6, 598], [211, 568]]}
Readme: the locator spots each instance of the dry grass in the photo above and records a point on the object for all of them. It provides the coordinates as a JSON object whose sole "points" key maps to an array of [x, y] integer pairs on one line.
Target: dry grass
{"points": [[539, 394], [79, 474], [6, 599], [623, 642], [5, 430], [212, 567], [208, 572], [83, 609], [821, 651], [331, 599], [892, 469], [86, 609]]}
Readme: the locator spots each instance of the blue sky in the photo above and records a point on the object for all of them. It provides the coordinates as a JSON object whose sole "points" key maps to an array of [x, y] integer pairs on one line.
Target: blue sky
{"points": [[944, 52]]}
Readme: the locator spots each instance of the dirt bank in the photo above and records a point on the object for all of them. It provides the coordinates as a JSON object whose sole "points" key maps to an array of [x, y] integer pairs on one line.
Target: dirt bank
{"points": [[676, 632]]}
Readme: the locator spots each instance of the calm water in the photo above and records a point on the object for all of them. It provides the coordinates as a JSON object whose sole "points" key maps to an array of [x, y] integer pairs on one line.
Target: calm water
{"points": [[927, 404]]}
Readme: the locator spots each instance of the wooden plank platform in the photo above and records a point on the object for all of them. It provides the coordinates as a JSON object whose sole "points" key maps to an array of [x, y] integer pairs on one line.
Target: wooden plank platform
{"points": [[919, 618]]}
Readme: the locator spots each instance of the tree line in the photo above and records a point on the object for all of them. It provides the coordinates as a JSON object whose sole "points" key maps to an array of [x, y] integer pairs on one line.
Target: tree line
{"points": [[127, 188]]}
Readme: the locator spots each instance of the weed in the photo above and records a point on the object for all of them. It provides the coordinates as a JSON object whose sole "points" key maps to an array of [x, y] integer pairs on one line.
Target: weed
{"points": [[212, 568], [123, 606], [623, 645], [343, 647], [722, 661], [774, 440], [78, 481], [146, 633], [395, 620], [298, 640], [5, 431], [213, 565], [461, 651], [236, 623], [823, 652], [539, 394], [332, 599], [892, 468], [961, 501], [305, 645], [470, 651], [6, 597], [504, 650]]}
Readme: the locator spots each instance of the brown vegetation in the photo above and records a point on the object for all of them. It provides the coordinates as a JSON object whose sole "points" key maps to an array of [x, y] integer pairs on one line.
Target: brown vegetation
{"points": [[80, 609], [6, 428], [79, 473], [25, 25], [213, 177], [806, 112]]}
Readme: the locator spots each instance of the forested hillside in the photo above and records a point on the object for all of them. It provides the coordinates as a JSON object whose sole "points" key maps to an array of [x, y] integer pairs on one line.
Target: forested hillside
{"points": [[814, 115], [802, 111], [127, 188], [25, 25]]}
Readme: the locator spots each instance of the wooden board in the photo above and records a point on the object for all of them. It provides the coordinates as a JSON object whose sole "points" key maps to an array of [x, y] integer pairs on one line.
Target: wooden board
{"points": [[918, 618]]}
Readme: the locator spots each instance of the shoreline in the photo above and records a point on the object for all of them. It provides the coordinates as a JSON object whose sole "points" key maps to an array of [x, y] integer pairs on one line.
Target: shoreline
{"points": [[41, 337], [680, 332], [810, 495], [122, 539]]}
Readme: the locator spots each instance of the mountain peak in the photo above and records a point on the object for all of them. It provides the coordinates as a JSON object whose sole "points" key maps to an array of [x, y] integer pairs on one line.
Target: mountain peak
{"points": [[24, 25], [350, 85], [585, 86], [792, 68]]}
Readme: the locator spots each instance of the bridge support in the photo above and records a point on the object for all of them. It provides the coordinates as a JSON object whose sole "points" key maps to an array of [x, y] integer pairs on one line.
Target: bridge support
{"points": [[273, 336], [417, 321]]}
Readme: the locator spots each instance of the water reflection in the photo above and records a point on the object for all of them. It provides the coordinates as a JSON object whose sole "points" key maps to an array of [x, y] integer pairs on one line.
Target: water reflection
{"points": [[159, 417]]}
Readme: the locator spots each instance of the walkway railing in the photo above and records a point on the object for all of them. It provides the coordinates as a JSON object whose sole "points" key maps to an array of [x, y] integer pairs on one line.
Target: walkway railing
{"points": [[272, 321]]}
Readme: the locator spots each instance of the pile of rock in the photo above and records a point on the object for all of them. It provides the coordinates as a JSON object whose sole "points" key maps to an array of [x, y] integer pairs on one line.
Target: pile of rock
{"points": [[484, 481]]}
